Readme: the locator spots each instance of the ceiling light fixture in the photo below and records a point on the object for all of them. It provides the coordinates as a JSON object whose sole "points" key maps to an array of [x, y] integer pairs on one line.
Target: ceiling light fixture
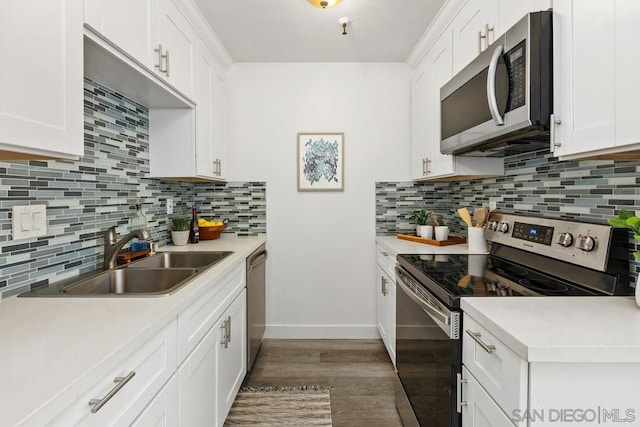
{"points": [[324, 4]]}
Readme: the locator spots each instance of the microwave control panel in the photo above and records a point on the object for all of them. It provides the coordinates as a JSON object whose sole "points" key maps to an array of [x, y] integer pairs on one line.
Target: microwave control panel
{"points": [[516, 63]]}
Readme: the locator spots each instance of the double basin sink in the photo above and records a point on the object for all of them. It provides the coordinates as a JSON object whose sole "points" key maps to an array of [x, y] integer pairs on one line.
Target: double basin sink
{"points": [[159, 274]]}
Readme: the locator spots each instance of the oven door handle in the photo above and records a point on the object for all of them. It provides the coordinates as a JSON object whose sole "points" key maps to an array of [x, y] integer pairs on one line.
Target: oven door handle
{"points": [[431, 310]]}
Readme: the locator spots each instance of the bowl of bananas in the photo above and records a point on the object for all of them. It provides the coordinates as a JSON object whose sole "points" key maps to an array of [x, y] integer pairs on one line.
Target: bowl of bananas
{"points": [[210, 230]]}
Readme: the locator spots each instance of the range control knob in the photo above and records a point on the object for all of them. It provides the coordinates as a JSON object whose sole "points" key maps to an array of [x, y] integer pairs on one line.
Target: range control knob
{"points": [[565, 239], [493, 225], [586, 243], [503, 227]]}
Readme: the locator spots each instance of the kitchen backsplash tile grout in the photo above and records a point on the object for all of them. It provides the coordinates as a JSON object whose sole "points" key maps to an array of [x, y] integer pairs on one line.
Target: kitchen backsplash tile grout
{"points": [[87, 196]]}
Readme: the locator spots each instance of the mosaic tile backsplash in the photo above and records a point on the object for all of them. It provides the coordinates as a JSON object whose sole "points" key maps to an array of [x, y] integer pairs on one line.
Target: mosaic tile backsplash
{"points": [[87, 196], [533, 183]]}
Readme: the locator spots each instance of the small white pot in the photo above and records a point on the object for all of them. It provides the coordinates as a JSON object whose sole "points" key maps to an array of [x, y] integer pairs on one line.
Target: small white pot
{"points": [[425, 231], [180, 238]]}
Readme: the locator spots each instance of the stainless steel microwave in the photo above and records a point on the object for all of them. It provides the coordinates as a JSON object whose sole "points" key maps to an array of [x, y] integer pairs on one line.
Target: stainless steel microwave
{"points": [[500, 104]]}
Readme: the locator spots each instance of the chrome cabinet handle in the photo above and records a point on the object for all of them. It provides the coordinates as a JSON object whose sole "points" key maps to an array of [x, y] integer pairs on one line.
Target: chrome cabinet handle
{"points": [[491, 86], [428, 166], [489, 348], [166, 66], [120, 382], [552, 132], [487, 29], [424, 166], [159, 52], [228, 330], [460, 403], [384, 289], [224, 334], [480, 37]]}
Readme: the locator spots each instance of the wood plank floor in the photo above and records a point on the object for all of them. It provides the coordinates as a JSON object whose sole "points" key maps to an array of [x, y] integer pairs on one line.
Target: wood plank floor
{"points": [[359, 371]]}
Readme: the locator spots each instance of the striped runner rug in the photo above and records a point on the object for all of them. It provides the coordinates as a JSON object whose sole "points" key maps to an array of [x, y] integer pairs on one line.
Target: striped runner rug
{"points": [[281, 406]]}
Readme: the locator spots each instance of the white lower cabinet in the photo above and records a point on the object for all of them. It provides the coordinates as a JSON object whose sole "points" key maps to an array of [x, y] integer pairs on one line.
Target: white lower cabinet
{"points": [[163, 409], [478, 409], [386, 300], [211, 376], [132, 385]]}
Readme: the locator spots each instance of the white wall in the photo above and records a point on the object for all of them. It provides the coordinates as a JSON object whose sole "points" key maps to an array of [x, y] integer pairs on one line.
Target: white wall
{"points": [[321, 279]]}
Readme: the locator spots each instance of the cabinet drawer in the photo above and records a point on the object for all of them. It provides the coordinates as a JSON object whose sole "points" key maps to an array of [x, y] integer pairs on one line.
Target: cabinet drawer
{"points": [[387, 261], [196, 320], [478, 409], [498, 369], [147, 369]]}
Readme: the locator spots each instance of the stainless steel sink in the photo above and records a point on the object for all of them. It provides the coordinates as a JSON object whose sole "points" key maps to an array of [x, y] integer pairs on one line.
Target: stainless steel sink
{"points": [[160, 274], [125, 281], [180, 260]]}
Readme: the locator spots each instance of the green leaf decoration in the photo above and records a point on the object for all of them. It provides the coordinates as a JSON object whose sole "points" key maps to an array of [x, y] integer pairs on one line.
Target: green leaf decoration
{"points": [[625, 214], [633, 222], [636, 255], [618, 223]]}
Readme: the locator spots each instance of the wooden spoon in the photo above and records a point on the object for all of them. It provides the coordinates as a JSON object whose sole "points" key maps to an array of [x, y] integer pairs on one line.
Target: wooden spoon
{"points": [[480, 215], [466, 216]]}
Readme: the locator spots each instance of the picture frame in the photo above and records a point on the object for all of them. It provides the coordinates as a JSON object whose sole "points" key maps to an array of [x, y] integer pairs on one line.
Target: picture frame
{"points": [[320, 161]]}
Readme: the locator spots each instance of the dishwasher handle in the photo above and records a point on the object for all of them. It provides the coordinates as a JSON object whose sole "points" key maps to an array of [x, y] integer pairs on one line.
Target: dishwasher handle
{"points": [[258, 259]]}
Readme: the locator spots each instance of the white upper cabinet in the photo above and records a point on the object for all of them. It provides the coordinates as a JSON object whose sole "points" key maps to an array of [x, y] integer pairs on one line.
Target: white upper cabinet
{"points": [[41, 85], [474, 28], [210, 114], [428, 162], [596, 58], [177, 41], [479, 22], [134, 32]]}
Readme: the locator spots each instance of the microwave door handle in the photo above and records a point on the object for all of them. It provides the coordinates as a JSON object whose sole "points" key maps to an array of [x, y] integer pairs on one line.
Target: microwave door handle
{"points": [[491, 86]]}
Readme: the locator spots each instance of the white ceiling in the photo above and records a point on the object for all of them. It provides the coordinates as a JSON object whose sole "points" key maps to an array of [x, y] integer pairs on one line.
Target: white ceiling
{"points": [[295, 31]]}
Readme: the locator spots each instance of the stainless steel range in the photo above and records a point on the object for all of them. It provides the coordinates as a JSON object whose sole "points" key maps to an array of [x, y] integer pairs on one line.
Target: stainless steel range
{"points": [[529, 256]]}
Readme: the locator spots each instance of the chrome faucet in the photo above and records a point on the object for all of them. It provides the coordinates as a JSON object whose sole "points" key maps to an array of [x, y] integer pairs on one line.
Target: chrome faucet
{"points": [[112, 247]]}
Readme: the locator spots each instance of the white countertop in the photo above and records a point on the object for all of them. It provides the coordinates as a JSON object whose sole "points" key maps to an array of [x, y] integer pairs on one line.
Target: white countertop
{"points": [[397, 246], [562, 329], [55, 346]]}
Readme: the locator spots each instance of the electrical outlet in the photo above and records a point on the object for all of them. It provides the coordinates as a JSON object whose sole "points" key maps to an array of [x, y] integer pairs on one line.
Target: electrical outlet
{"points": [[169, 206], [493, 205]]}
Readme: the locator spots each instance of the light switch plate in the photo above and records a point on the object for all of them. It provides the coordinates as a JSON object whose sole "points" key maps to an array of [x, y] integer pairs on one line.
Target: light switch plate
{"points": [[29, 221], [169, 206]]}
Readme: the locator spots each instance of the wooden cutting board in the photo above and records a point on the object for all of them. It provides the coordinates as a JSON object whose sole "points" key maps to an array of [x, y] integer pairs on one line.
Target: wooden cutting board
{"points": [[452, 240]]}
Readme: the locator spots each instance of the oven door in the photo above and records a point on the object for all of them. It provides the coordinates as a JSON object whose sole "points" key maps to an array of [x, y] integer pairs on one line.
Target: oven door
{"points": [[428, 356]]}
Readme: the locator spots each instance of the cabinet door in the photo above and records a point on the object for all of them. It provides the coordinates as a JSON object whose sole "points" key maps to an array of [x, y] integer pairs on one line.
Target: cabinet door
{"points": [[421, 119], [197, 378], [511, 12], [627, 66], [135, 32], [205, 73], [232, 363], [391, 336], [440, 61], [584, 75], [163, 409], [41, 85], [178, 39], [480, 410], [474, 28], [382, 300], [219, 119]]}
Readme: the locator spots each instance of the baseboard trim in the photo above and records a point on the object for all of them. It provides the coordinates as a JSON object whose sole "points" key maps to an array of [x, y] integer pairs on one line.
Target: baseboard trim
{"points": [[322, 332]]}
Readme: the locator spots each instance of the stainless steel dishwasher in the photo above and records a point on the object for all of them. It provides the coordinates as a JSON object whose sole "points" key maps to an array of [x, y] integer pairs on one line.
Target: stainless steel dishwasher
{"points": [[256, 269]]}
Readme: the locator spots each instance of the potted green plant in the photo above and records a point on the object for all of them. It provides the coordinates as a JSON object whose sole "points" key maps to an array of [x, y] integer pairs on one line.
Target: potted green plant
{"points": [[180, 230], [628, 220], [421, 220]]}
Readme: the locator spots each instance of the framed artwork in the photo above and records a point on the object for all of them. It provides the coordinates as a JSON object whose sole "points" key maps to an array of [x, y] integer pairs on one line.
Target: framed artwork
{"points": [[321, 161]]}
